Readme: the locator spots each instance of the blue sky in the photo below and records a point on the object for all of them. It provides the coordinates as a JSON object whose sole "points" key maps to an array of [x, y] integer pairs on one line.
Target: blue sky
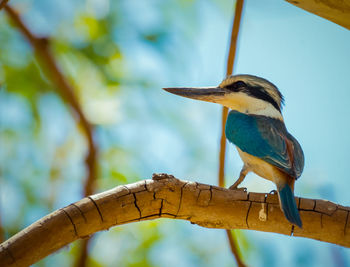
{"points": [[307, 57]]}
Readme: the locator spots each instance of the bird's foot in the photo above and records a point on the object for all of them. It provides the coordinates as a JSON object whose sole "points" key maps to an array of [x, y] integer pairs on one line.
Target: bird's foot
{"points": [[273, 192], [233, 187]]}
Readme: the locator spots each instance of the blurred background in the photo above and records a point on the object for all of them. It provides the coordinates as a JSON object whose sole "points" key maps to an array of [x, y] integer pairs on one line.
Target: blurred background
{"points": [[118, 55]]}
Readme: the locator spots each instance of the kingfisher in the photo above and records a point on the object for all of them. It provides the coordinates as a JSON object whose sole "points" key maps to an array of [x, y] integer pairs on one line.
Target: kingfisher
{"points": [[256, 127]]}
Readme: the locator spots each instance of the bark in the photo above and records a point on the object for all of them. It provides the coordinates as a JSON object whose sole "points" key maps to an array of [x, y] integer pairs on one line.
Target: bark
{"points": [[337, 11], [167, 197]]}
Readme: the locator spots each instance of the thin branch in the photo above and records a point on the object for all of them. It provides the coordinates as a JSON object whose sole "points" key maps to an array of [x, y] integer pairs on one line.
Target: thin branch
{"points": [[229, 70], [221, 177], [2, 232], [41, 47], [49, 65], [82, 257], [234, 37], [3, 3], [333, 10], [167, 197], [232, 239]]}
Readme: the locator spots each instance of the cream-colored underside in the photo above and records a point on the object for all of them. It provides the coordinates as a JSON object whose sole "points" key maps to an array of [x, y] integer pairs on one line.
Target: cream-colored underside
{"points": [[262, 168]]}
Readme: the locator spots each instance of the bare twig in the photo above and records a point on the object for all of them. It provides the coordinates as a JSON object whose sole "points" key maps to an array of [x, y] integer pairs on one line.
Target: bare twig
{"points": [[42, 50], [41, 47], [234, 247], [221, 177], [82, 257], [229, 70], [167, 197], [2, 232], [3, 3]]}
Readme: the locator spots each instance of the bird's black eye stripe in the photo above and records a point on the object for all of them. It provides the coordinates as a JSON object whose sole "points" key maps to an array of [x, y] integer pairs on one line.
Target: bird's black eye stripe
{"points": [[236, 86], [253, 91], [260, 93]]}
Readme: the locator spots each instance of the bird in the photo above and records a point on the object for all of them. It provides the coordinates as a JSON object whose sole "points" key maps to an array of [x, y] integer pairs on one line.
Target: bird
{"points": [[256, 127]]}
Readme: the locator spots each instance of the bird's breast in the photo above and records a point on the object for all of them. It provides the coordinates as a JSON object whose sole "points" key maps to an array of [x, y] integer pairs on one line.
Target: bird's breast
{"points": [[261, 167]]}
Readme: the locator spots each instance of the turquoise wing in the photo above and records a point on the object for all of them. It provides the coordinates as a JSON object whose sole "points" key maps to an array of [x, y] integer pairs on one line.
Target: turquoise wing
{"points": [[266, 138]]}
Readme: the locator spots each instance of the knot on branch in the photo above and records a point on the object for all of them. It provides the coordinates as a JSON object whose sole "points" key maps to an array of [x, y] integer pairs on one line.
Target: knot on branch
{"points": [[162, 176]]}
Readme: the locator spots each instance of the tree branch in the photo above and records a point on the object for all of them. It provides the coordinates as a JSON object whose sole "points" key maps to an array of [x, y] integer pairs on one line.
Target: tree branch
{"points": [[2, 232], [52, 71], [229, 69], [3, 3], [167, 197], [222, 151], [333, 10]]}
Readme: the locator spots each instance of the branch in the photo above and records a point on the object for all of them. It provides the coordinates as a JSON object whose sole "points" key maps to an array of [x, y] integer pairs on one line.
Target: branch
{"points": [[52, 71], [3, 3], [222, 151], [2, 232], [167, 197], [229, 69], [333, 10]]}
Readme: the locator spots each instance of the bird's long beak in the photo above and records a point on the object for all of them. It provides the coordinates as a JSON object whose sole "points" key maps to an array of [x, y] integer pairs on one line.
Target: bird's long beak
{"points": [[209, 94]]}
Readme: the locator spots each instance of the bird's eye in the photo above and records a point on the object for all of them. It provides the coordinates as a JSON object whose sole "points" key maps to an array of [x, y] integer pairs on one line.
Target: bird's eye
{"points": [[236, 86]]}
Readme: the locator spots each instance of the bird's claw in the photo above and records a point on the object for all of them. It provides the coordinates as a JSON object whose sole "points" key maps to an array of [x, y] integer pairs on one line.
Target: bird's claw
{"points": [[273, 192], [244, 189]]}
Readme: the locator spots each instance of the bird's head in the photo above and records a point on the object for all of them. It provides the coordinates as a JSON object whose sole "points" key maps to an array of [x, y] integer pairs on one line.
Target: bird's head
{"points": [[244, 93]]}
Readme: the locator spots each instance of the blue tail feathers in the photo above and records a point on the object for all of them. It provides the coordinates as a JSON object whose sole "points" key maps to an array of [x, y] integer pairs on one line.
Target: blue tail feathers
{"points": [[288, 205]]}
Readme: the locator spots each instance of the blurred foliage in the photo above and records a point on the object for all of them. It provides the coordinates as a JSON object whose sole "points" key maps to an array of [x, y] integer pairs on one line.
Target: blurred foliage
{"points": [[42, 150], [117, 55]]}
